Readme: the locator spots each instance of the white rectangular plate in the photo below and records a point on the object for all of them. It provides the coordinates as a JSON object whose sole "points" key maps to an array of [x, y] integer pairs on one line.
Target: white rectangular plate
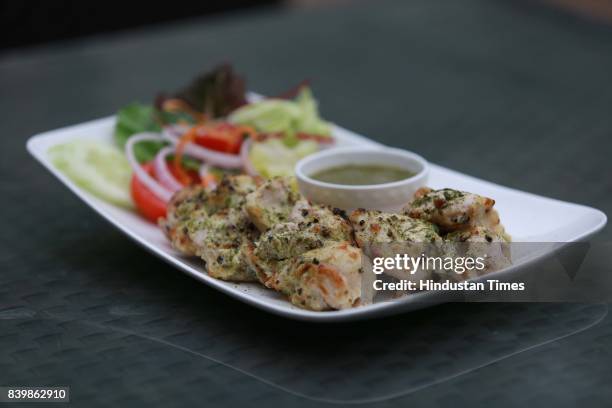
{"points": [[527, 217]]}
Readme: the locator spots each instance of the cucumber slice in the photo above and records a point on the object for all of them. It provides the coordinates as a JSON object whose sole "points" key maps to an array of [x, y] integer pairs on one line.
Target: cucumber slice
{"points": [[97, 167]]}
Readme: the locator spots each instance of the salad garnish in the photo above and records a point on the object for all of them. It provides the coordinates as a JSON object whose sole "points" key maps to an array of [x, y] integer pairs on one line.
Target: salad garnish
{"points": [[204, 131]]}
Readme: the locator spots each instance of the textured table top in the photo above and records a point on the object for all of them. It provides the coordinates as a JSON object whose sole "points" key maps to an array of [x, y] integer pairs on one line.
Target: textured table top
{"points": [[508, 92]]}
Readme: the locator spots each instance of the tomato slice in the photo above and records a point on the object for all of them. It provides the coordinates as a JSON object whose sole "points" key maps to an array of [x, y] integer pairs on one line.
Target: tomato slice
{"points": [[192, 175], [147, 203], [222, 139]]}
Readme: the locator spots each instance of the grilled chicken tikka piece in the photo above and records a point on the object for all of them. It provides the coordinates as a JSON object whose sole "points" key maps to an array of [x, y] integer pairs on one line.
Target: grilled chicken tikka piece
{"points": [[272, 202], [324, 278], [372, 226], [305, 251], [180, 209], [478, 241], [311, 227], [289, 224], [381, 234], [454, 210], [221, 239], [212, 224], [230, 193]]}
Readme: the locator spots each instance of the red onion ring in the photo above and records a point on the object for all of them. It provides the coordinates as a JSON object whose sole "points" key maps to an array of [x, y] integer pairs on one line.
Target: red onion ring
{"points": [[162, 172], [160, 191], [246, 161], [173, 132], [218, 159]]}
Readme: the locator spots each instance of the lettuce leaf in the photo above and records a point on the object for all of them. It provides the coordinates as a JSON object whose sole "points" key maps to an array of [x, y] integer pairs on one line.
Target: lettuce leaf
{"points": [[284, 116], [215, 93], [135, 118], [274, 158]]}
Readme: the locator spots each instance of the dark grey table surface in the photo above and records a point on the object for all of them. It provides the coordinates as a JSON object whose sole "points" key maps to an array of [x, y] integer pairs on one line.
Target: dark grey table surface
{"points": [[506, 91]]}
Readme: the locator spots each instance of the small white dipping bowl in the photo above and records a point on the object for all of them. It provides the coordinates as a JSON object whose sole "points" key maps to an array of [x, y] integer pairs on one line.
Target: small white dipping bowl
{"points": [[385, 197]]}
